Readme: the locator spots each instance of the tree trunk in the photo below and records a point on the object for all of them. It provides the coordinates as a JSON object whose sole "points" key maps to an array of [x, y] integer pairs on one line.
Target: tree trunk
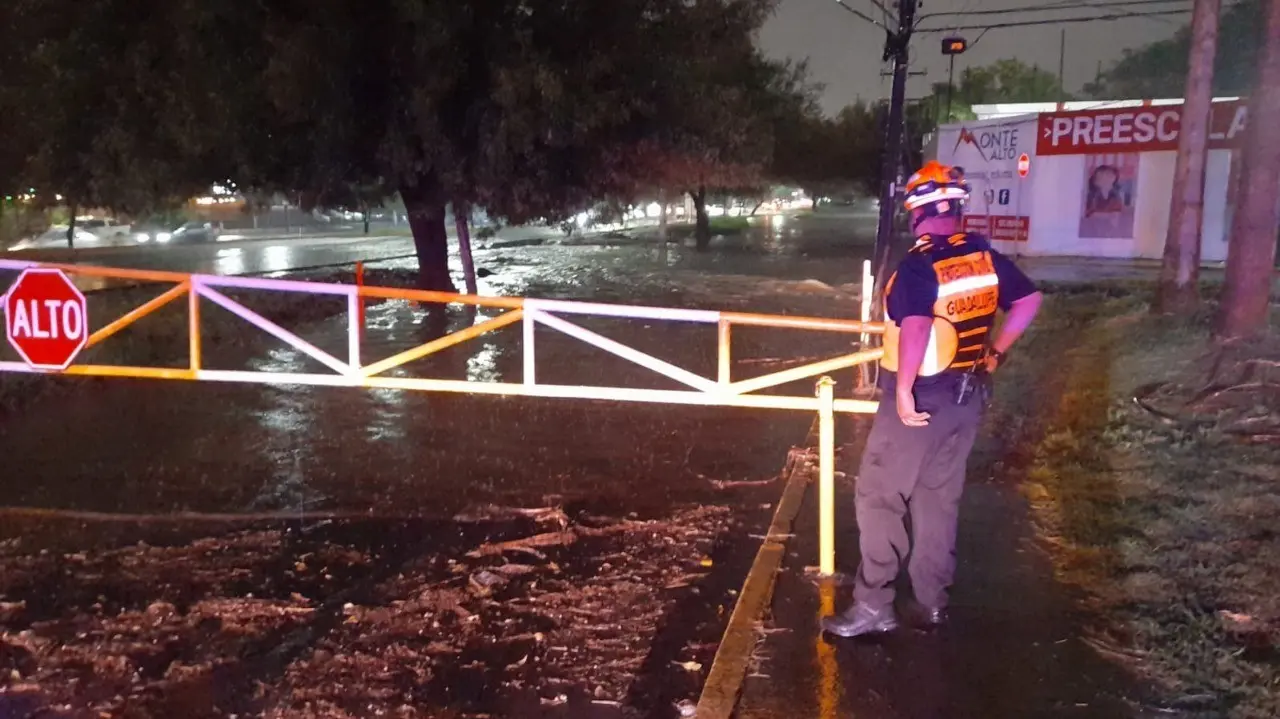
{"points": [[1179, 291], [662, 225], [364, 215], [462, 219], [702, 228], [71, 225], [1251, 253], [662, 216], [425, 208], [759, 202]]}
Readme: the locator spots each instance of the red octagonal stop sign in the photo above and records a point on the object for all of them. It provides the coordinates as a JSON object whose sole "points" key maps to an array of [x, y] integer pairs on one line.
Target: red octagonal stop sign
{"points": [[46, 318]]}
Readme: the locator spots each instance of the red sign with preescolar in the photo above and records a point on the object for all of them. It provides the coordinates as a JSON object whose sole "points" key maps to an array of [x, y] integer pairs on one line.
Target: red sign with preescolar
{"points": [[1134, 129]]}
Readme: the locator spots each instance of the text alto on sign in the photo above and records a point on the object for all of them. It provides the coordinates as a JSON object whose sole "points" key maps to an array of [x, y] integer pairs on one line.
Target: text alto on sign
{"points": [[46, 319], [1133, 129], [999, 144]]}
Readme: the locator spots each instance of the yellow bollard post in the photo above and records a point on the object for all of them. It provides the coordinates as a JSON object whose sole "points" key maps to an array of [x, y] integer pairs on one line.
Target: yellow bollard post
{"points": [[826, 477], [360, 286]]}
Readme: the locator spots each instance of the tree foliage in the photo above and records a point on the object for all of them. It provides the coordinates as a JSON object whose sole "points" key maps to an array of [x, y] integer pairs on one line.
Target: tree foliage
{"points": [[1007, 80], [728, 118], [108, 117], [838, 155], [1159, 69], [527, 110]]}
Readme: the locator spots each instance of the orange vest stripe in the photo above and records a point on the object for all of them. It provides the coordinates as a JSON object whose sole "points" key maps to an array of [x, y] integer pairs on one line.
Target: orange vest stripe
{"points": [[968, 295]]}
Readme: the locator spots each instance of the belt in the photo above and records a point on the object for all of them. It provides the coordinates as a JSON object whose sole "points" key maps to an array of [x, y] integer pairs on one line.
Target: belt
{"points": [[946, 380]]}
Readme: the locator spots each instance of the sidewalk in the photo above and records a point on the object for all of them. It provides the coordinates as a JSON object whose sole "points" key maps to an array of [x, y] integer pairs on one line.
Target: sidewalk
{"points": [[1013, 647]]}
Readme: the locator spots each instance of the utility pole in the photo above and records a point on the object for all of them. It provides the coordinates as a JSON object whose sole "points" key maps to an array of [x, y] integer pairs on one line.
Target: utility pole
{"points": [[895, 50], [1179, 290]]}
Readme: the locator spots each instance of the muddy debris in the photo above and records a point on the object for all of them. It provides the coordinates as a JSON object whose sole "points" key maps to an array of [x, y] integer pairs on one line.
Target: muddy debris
{"points": [[1232, 390], [246, 623]]}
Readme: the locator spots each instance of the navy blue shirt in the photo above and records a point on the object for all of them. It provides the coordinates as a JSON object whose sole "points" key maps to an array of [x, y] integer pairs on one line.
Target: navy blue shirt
{"points": [[915, 290]]}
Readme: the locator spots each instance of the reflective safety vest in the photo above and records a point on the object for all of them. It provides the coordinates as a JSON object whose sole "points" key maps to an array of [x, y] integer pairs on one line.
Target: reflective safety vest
{"points": [[963, 314]]}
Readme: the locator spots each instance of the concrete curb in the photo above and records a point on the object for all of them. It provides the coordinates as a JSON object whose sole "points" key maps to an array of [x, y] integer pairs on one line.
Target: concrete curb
{"points": [[729, 668]]}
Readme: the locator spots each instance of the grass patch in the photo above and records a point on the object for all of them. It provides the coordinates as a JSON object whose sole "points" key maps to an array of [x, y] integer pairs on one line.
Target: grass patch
{"points": [[1168, 520], [724, 225]]}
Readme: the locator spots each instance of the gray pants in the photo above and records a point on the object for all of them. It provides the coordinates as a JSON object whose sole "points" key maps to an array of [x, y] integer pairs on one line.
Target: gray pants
{"points": [[918, 470]]}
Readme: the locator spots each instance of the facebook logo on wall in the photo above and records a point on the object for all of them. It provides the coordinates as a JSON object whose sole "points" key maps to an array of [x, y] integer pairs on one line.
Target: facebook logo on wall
{"points": [[1004, 197]]}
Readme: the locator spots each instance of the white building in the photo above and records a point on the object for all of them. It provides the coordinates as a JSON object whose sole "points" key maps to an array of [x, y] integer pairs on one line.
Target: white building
{"points": [[1099, 176]]}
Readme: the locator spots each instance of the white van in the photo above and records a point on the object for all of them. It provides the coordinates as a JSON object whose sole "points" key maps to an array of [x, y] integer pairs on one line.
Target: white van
{"points": [[105, 228]]}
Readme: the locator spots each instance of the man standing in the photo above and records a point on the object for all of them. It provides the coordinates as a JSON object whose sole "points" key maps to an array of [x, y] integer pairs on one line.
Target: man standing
{"points": [[940, 308]]}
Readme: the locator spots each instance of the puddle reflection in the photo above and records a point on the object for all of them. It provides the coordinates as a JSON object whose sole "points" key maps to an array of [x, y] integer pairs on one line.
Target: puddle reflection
{"points": [[229, 261]]}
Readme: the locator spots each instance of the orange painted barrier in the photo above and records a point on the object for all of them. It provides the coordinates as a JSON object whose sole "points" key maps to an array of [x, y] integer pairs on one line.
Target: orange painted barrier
{"points": [[723, 390]]}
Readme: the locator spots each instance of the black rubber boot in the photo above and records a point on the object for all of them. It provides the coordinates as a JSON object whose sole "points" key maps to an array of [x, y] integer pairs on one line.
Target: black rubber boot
{"points": [[860, 620]]}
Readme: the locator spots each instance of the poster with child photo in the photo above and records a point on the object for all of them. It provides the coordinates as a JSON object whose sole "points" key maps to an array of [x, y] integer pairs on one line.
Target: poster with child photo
{"points": [[1110, 185]]}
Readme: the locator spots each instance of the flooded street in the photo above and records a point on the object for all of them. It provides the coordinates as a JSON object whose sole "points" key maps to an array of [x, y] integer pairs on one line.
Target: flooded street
{"points": [[144, 446], [299, 551]]}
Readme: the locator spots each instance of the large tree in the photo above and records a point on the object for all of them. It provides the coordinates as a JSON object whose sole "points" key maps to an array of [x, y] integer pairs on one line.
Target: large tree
{"points": [[1179, 289], [1159, 70], [527, 110], [830, 155], [109, 118], [499, 104], [1251, 253], [713, 125]]}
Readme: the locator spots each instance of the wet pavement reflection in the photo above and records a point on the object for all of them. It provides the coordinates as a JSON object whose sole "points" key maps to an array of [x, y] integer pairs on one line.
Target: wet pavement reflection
{"points": [[778, 246], [144, 446]]}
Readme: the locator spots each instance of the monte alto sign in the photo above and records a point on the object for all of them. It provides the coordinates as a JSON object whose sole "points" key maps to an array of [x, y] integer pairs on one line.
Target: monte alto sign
{"points": [[1134, 129], [992, 143]]}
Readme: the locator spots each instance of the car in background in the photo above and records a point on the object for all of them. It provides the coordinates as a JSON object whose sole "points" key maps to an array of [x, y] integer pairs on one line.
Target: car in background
{"points": [[194, 231], [105, 228]]}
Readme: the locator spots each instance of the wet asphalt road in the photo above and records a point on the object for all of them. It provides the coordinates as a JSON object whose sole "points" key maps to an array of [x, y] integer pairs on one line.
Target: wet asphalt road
{"points": [[828, 247], [804, 254]]}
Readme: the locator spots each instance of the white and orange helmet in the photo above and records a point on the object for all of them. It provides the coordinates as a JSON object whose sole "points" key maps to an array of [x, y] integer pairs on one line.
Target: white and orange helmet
{"points": [[936, 190]]}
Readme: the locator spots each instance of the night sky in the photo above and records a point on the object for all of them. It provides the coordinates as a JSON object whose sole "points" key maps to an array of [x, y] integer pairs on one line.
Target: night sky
{"points": [[844, 51]]}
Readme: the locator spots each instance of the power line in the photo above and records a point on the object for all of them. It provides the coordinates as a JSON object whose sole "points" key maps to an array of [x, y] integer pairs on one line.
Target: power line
{"points": [[1057, 21], [863, 16], [1055, 7], [882, 6], [1084, 3]]}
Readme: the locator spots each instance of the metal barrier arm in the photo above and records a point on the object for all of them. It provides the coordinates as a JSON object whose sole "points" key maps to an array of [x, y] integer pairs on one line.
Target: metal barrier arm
{"points": [[719, 391], [722, 391], [276, 331], [139, 312], [445, 342], [805, 371], [647, 361]]}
